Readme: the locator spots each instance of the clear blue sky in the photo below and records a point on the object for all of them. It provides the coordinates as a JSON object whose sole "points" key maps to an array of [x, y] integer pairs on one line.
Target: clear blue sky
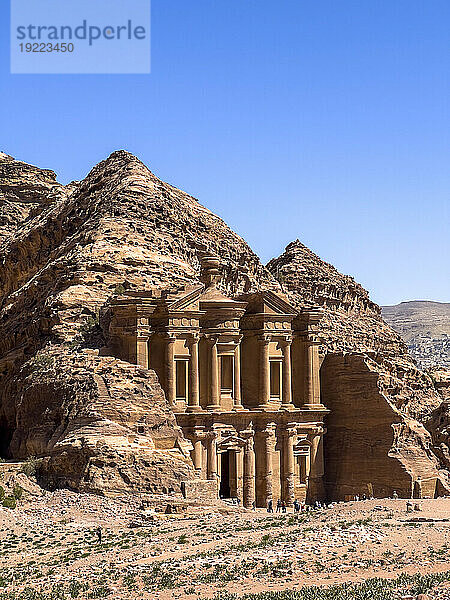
{"points": [[322, 120]]}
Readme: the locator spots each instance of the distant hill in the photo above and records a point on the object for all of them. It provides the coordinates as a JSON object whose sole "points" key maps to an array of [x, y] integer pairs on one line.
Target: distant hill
{"points": [[425, 327]]}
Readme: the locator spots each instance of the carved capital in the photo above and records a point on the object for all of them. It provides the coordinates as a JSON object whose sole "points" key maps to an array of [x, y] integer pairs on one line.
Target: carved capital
{"points": [[291, 429], [285, 341], [198, 432], [142, 337], [193, 339], [269, 433], [211, 436]]}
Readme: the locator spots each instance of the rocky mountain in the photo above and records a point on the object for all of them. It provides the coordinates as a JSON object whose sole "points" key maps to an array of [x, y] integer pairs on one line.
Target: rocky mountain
{"points": [[24, 191], [363, 358], [425, 327], [103, 425], [71, 249]]}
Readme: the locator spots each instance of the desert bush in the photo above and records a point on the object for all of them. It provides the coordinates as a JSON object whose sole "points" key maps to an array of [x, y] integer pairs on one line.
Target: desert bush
{"points": [[31, 466], [42, 364], [9, 502], [17, 492], [119, 290]]}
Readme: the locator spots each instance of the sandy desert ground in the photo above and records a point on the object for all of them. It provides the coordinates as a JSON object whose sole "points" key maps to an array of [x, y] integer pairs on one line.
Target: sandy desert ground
{"points": [[49, 548]]}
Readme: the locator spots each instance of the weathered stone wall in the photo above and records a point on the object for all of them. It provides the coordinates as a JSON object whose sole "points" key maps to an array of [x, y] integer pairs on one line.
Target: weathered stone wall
{"points": [[98, 422], [370, 447], [201, 490]]}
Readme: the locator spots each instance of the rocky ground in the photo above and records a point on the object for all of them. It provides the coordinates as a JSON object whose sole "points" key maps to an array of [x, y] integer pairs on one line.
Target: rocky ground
{"points": [[49, 549]]}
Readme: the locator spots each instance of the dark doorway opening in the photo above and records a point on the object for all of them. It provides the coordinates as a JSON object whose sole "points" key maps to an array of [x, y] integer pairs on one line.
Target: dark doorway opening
{"points": [[6, 433], [224, 490]]}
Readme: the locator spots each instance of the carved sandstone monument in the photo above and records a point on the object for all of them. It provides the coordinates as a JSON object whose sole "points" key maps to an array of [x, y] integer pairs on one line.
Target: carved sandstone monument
{"points": [[241, 376], [132, 359]]}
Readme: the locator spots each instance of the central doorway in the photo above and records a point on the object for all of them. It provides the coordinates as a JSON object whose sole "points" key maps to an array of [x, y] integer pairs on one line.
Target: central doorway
{"points": [[225, 490]]}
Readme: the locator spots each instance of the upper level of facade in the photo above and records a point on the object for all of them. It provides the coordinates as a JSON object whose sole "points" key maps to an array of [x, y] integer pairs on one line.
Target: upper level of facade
{"points": [[220, 354]]}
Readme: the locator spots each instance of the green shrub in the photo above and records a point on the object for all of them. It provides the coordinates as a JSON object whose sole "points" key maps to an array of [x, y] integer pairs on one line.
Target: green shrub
{"points": [[42, 363], [31, 466], [2, 493], [17, 492], [119, 290], [9, 502]]}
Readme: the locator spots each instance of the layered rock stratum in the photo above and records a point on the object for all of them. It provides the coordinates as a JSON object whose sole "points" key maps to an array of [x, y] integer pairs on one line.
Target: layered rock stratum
{"points": [[102, 425]]}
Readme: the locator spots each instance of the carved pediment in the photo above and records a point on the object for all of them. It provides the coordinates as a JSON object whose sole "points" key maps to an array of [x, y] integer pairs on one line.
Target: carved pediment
{"points": [[231, 442], [188, 301], [268, 303], [303, 446]]}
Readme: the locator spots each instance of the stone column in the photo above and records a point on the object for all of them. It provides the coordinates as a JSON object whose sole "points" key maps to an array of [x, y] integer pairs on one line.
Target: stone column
{"points": [[288, 464], [249, 471], [239, 473], [287, 375], [198, 435], [312, 379], [142, 350], [212, 455], [193, 397], [264, 371], [269, 449], [214, 376], [237, 378], [170, 370], [316, 490]]}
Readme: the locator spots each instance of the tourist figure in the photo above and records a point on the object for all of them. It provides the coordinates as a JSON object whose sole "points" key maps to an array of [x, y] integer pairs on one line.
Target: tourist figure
{"points": [[278, 505], [395, 495], [270, 506], [296, 506], [98, 531], [283, 506]]}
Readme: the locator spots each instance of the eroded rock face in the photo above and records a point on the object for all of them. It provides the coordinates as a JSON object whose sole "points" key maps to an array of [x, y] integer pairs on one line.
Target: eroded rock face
{"points": [[309, 279], [24, 191], [356, 389], [120, 228], [371, 447]]}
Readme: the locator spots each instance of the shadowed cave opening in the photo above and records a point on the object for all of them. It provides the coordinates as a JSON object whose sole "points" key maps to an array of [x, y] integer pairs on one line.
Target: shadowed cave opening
{"points": [[6, 434]]}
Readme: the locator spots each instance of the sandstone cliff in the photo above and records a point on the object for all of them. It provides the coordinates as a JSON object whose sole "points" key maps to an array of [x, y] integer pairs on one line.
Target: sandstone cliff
{"points": [[24, 191], [72, 249], [367, 371]]}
